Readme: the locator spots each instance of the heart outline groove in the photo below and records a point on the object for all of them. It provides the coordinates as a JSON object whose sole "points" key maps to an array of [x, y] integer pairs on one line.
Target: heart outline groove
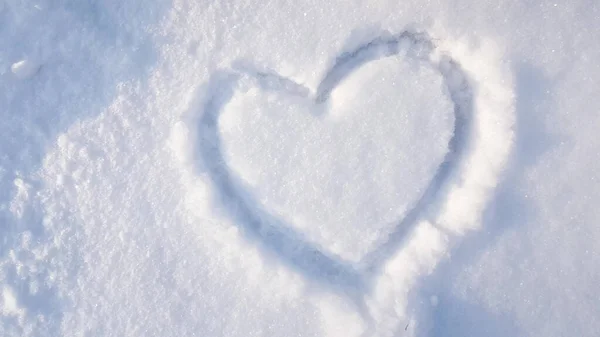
{"points": [[288, 244]]}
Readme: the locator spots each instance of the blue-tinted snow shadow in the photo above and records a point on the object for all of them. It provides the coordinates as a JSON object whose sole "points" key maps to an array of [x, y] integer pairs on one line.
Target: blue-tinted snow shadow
{"points": [[509, 209], [86, 49], [456, 317]]}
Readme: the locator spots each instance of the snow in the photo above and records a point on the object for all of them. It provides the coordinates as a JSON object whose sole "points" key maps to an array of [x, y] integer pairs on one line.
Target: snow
{"points": [[24, 69], [321, 187], [347, 168]]}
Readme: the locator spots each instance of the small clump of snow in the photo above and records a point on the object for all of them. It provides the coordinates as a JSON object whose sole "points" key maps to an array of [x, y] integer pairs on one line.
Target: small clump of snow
{"points": [[25, 69]]}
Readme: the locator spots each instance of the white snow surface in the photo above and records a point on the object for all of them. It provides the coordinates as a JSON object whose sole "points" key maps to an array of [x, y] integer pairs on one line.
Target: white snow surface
{"points": [[321, 185], [299, 168]]}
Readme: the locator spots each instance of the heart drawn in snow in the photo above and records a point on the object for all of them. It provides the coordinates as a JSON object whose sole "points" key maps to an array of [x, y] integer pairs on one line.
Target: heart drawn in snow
{"points": [[281, 158], [379, 143], [345, 170], [328, 142]]}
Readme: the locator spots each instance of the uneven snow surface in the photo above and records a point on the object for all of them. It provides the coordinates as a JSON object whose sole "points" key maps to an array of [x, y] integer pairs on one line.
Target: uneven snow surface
{"points": [[299, 168]]}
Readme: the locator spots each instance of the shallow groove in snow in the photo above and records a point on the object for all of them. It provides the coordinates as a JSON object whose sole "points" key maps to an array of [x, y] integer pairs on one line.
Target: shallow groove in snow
{"points": [[448, 208]]}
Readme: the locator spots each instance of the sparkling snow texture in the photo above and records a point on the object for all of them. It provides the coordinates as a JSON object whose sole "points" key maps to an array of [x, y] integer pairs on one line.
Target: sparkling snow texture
{"points": [[299, 168]]}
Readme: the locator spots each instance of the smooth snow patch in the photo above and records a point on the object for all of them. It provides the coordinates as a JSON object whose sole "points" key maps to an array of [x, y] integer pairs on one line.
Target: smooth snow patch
{"points": [[343, 174]]}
